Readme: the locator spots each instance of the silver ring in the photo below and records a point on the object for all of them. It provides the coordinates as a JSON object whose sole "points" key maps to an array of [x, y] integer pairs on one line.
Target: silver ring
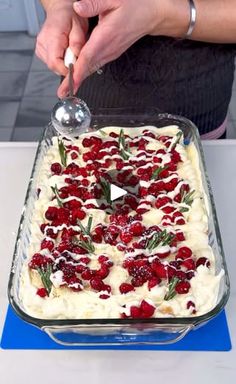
{"points": [[99, 71]]}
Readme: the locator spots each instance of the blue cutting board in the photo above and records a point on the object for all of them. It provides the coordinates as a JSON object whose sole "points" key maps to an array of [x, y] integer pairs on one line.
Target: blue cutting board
{"points": [[214, 336]]}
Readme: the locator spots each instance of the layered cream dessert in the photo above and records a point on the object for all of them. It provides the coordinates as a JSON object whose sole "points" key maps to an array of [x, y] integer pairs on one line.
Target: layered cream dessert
{"points": [[145, 254]]}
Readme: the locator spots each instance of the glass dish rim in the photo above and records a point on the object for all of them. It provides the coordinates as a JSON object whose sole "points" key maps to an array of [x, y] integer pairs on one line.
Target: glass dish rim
{"points": [[171, 321]]}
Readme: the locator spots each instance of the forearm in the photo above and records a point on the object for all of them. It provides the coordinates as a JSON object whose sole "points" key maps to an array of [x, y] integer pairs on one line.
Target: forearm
{"points": [[216, 20]]}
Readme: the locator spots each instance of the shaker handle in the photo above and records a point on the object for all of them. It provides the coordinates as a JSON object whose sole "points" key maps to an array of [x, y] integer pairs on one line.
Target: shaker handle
{"points": [[69, 57]]}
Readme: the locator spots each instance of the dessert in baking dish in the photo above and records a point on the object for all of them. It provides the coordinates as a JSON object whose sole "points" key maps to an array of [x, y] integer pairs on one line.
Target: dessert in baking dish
{"points": [[144, 254]]}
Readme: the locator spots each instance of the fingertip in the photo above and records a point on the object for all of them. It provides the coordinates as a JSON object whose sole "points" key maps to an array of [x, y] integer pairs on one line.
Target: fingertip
{"points": [[63, 89]]}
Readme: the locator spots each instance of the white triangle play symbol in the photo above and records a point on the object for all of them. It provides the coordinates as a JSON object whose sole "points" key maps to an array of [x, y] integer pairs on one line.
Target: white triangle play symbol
{"points": [[117, 192]]}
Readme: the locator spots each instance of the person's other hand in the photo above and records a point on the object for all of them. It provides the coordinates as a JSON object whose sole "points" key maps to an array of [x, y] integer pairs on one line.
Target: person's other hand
{"points": [[121, 23], [62, 28]]}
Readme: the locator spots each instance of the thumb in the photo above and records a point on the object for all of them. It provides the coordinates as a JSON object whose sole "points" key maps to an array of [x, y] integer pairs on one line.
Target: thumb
{"points": [[90, 8]]}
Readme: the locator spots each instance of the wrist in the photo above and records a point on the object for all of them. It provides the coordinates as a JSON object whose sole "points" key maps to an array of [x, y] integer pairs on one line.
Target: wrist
{"points": [[175, 17], [50, 5]]}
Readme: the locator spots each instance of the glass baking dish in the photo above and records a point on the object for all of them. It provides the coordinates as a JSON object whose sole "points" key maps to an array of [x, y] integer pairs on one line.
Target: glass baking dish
{"points": [[79, 332]]}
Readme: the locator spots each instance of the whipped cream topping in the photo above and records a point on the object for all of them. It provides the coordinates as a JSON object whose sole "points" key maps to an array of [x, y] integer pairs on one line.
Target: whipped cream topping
{"points": [[77, 299]]}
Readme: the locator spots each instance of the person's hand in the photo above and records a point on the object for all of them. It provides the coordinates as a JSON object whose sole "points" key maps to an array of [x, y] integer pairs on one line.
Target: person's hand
{"points": [[121, 23], [62, 28]]}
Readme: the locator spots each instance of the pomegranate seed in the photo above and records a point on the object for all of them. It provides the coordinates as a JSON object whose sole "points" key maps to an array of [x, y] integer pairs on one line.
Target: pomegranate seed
{"points": [[104, 296], [190, 304], [180, 236], [184, 253], [102, 259], [161, 201], [125, 288], [56, 168], [203, 261], [182, 287], [103, 272], [51, 213], [74, 155], [88, 274], [189, 264], [86, 142]]}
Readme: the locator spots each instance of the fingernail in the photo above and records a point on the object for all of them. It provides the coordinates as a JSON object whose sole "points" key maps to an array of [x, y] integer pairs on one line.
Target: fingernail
{"points": [[78, 6]]}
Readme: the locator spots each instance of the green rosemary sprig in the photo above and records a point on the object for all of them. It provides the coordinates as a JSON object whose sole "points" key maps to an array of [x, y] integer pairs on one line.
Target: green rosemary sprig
{"points": [[86, 244], [45, 273], [171, 288], [102, 132], [62, 152], [106, 189], [183, 209], [86, 230], [156, 173], [160, 238], [187, 197], [123, 146], [177, 140], [56, 192]]}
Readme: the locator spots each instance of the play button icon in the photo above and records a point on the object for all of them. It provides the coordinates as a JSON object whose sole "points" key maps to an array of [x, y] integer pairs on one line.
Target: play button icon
{"points": [[116, 192]]}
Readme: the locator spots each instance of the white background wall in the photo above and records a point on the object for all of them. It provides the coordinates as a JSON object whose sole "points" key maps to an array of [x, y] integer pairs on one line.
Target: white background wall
{"points": [[21, 15]]}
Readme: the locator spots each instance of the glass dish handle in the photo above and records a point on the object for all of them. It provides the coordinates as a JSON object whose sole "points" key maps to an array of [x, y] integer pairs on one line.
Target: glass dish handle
{"points": [[92, 336]]}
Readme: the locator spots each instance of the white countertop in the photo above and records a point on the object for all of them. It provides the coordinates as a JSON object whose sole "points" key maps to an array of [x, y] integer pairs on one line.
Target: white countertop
{"points": [[62, 367]]}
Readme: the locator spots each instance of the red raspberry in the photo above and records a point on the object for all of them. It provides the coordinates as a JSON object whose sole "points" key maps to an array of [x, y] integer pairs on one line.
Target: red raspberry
{"points": [[42, 292], [147, 309], [161, 201], [159, 269], [88, 274], [153, 282], [86, 142], [80, 268], [47, 244], [56, 168], [85, 260], [129, 262], [51, 213], [126, 237], [175, 156], [182, 287], [78, 214], [39, 261], [136, 229], [135, 312], [97, 283], [125, 288]]}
